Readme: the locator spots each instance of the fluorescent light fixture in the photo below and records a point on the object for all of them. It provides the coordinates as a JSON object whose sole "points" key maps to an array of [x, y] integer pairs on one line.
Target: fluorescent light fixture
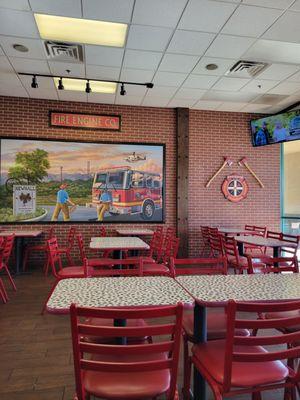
{"points": [[80, 85], [77, 30]]}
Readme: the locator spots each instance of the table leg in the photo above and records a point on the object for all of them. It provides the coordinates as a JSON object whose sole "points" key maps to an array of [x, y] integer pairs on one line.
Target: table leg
{"points": [[19, 245], [120, 322], [276, 255], [200, 333], [241, 248], [118, 255]]}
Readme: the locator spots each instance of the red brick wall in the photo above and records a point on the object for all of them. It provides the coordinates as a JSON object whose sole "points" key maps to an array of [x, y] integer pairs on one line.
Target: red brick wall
{"points": [[212, 136]]}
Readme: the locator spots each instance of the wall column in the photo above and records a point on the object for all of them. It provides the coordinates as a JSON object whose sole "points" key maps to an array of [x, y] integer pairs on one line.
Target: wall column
{"points": [[182, 179]]}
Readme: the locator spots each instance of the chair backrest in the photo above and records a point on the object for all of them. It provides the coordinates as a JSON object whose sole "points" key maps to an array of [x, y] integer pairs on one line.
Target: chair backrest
{"points": [[121, 267], [205, 234], [256, 230], [171, 250], [244, 316], [156, 244], [71, 236], [51, 233], [230, 249], [161, 325], [294, 240], [215, 242], [274, 235], [2, 240], [103, 232], [81, 246], [263, 264], [198, 266], [54, 255], [7, 248]]}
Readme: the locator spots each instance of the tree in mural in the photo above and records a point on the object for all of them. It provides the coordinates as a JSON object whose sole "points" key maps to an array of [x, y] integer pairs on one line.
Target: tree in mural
{"points": [[30, 167]]}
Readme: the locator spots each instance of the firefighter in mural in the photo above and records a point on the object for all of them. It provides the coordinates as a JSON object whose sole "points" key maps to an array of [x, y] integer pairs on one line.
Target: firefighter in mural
{"points": [[105, 201], [62, 204]]}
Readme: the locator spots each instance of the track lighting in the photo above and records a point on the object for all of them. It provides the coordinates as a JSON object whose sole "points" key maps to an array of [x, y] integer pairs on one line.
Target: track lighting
{"points": [[60, 84], [34, 83], [122, 91], [88, 87]]}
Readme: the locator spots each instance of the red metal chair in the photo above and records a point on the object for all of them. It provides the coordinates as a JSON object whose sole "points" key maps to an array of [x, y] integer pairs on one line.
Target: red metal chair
{"points": [[70, 243], [38, 247], [127, 371], [234, 260], [118, 267], [7, 248], [255, 231], [265, 264], [246, 364], [93, 262], [3, 294], [215, 243], [163, 268], [205, 239], [290, 251]]}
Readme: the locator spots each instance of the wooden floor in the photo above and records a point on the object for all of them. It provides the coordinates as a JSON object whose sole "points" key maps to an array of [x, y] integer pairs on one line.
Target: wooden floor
{"points": [[35, 350]]}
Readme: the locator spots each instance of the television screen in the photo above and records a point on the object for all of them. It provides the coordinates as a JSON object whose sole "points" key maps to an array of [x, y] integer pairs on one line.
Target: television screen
{"points": [[276, 128], [63, 181]]}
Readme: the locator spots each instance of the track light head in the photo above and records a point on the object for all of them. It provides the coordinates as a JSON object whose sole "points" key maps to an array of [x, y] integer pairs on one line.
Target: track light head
{"points": [[34, 83], [88, 87], [149, 85], [122, 91], [60, 84]]}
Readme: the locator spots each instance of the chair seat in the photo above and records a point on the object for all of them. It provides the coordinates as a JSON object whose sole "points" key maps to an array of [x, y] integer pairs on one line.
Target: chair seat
{"points": [[155, 269], [145, 259], [71, 272], [244, 374], [286, 314], [98, 262], [216, 326], [127, 385], [109, 322], [242, 261]]}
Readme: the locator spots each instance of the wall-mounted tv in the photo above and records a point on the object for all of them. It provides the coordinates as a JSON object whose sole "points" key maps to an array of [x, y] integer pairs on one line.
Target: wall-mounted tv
{"points": [[50, 181], [276, 128]]}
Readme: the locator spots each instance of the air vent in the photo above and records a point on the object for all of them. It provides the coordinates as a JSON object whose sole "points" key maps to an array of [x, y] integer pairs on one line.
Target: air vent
{"points": [[57, 51], [247, 69]]}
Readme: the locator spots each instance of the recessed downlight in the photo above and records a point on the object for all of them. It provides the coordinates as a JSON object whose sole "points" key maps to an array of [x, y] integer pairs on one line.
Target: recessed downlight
{"points": [[211, 67], [78, 30], [20, 47]]}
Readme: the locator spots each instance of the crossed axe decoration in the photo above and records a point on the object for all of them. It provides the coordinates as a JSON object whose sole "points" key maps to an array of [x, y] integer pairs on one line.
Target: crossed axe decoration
{"points": [[229, 162]]}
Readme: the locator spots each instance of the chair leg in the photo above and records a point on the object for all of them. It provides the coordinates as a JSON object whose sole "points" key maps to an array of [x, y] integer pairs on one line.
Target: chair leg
{"points": [[186, 369], [3, 292], [46, 265], [256, 396], [10, 278]]}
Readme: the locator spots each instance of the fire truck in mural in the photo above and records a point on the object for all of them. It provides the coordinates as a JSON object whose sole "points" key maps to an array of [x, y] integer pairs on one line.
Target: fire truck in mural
{"points": [[132, 191]]}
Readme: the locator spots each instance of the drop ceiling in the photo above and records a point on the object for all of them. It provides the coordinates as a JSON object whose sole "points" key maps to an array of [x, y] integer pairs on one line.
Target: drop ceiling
{"points": [[169, 43]]}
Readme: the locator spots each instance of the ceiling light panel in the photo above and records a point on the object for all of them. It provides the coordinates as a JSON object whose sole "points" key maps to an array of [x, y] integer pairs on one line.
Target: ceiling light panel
{"points": [[76, 30], [79, 85]]}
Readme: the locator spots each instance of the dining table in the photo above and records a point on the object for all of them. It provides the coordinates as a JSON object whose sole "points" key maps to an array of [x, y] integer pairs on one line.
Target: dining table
{"points": [[20, 236], [118, 244], [135, 232], [235, 231], [220, 288], [263, 242]]}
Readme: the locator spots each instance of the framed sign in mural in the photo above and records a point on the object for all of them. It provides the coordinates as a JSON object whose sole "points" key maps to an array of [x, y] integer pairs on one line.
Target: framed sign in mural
{"points": [[73, 181]]}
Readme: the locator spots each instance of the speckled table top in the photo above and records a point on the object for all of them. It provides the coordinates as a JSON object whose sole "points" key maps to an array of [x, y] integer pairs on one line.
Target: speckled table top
{"points": [[118, 243], [262, 241], [134, 232]]}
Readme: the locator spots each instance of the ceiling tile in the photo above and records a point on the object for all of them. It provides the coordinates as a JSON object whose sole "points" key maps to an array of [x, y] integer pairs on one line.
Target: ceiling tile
{"points": [[43, 82], [178, 63], [112, 10], [278, 71], [259, 86], [141, 59], [230, 84], [67, 8], [155, 101], [42, 94], [17, 91], [190, 42], [100, 72], [286, 88], [295, 6], [146, 12], [103, 98], [224, 64], [169, 78], [231, 106], [229, 96], [136, 75], [15, 4], [189, 93], [181, 103], [7, 74], [5, 66], [60, 68], [148, 38], [205, 15], [162, 91], [1, 51], [103, 55], [129, 100], [295, 77], [200, 81], [280, 4], [226, 46], [35, 47], [250, 21], [269, 99], [274, 51], [206, 105], [286, 29], [25, 65], [255, 108], [72, 95], [135, 90], [18, 23]]}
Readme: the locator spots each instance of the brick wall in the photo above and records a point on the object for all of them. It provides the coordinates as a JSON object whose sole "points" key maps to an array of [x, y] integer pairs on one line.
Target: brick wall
{"points": [[212, 136]]}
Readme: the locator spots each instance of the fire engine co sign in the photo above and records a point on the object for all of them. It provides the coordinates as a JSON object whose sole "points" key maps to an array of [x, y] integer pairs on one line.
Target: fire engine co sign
{"points": [[24, 199]]}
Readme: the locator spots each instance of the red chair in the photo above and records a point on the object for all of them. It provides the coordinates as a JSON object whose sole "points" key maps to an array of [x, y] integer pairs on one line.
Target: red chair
{"points": [[70, 243], [129, 371], [290, 251], [163, 267], [234, 260], [205, 239], [3, 294], [6, 251], [265, 264], [245, 364], [93, 262], [255, 231], [215, 243], [57, 270], [121, 267], [38, 247]]}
